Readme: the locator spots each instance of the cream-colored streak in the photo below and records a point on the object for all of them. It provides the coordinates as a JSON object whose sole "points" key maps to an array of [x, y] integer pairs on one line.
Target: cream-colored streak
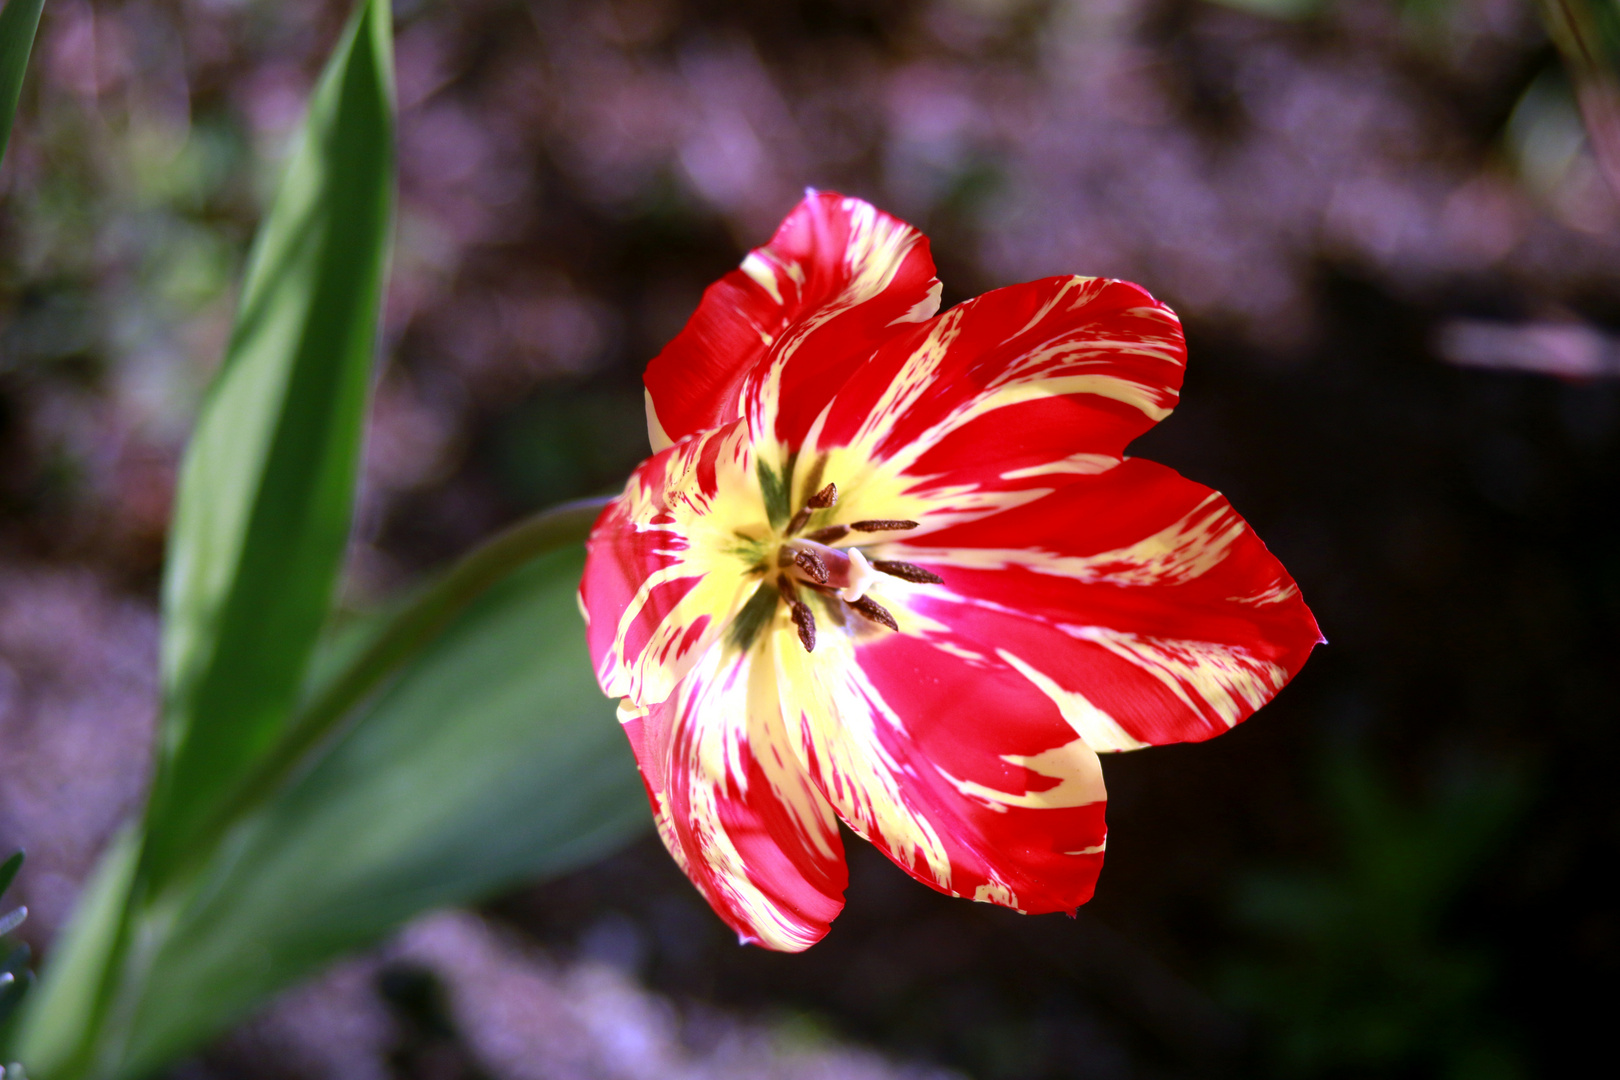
{"points": [[999, 893], [757, 267], [1228, 679], [1073, 465], [1192, 547], [1095, 727], [655, 429], [1275, 593], [1074, 766]]}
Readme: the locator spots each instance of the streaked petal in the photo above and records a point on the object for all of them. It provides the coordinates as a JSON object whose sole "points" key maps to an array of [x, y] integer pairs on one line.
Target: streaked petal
{"points": [[666, 563], [962, 772], [993, 404], [1138, 600], [734, 806], [838, 278]]}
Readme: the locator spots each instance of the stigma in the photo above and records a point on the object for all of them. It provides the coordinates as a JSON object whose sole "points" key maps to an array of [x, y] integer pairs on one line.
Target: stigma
{"points": [[846, 569]]}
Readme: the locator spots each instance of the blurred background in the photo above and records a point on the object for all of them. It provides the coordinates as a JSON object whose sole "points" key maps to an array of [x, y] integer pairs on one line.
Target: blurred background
{"points": [[1398, 262]]}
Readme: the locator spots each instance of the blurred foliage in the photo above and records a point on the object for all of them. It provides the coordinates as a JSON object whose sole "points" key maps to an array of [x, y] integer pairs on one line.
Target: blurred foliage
{"points": [[1587, 33], [14, 974], [1286, 9], [570, 444], [1356, 974], [310, 797]]}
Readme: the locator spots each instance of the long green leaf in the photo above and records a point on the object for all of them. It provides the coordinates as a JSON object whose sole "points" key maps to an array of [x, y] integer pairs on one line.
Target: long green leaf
{"points": [[267, 485], [52, 1031], [18, 22], [493, 759]]}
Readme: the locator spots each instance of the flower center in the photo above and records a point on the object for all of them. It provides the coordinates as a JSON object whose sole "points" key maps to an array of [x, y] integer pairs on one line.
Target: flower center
{"points": [[840, 576]]}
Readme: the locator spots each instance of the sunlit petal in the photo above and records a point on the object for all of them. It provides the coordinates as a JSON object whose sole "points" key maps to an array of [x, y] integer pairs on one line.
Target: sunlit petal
{"points": [[734, 806]]}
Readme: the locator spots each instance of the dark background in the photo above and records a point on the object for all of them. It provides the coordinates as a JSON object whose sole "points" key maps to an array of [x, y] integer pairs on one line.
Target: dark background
{"points": [[1397, 263]]}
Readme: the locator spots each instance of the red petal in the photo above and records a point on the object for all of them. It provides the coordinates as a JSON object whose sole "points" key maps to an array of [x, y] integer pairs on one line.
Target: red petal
{"points": [[1003, 390], [834, 281], [965, 775], [1140, 600], [735, 808]]}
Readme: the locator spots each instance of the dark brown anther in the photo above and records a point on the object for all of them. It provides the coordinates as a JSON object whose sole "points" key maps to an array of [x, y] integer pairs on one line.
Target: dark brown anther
{"points": [[829, 534], [811, 564], [907, 571], [873, 611], [819, 501], [882, 525], [806, 622]]}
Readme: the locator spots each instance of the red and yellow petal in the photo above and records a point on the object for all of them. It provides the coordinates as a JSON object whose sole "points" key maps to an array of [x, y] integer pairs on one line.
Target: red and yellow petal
{"points": [[837, 279], [962, 772], [990, 405], [1137, 600], [734, 806], [666, 563]]}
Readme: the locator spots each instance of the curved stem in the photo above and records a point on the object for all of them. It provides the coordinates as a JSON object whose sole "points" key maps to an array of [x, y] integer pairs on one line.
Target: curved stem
{"points": [[406, 632]]}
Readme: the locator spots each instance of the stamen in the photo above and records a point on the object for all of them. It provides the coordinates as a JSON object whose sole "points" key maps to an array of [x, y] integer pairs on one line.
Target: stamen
{"points": [[819, 501], [882, 525], [806, 622], [784, 585], [811, 564], [874, 612], [829, 534], [907, 571]]}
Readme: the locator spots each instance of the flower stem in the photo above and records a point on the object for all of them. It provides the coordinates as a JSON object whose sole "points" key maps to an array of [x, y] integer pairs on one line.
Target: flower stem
{"points": [[406, 632]]}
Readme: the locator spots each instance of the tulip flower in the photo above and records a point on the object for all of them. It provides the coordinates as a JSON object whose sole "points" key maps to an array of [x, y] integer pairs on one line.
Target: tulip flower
{"points": [[891, 567]]}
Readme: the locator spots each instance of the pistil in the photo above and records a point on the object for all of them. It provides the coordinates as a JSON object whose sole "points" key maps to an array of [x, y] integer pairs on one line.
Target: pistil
{"points": [[844, 569], [844, 573]]}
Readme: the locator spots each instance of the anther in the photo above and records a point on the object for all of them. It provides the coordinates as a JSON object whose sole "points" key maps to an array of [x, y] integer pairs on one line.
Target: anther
{"points": [[829, 534], [873, 611], [907, 571], [882, 525], [806, 622], [811, 564], [819, 501]]}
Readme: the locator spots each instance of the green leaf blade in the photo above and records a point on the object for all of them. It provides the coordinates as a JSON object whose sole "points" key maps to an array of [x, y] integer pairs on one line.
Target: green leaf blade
{"points": [[493, 759], [267, 486], [18, 24]]}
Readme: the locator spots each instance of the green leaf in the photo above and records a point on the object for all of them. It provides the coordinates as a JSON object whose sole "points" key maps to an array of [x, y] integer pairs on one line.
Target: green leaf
{"points": [[267, 486], [492, 760], [53, 1021], [8, 871], [17, 25], [14, 974]]}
